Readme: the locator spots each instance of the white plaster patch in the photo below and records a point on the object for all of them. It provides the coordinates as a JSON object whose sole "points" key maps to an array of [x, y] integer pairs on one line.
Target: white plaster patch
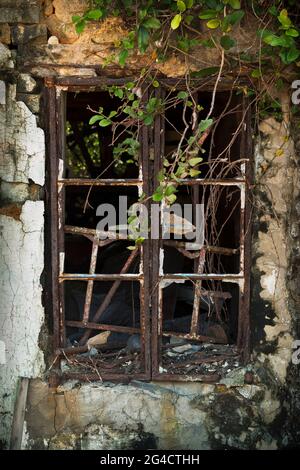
{"points": [[22, 143], [2, 353], [21, 310], [268, 281], [269, 407], [2, 93], [32, 216]]}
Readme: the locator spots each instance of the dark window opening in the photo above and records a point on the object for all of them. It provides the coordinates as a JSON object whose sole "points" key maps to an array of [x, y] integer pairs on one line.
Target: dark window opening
{"points": [[160, 311]]}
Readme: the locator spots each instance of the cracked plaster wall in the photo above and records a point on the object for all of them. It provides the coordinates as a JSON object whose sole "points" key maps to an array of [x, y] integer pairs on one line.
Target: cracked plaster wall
{"points": [[21, 251]]}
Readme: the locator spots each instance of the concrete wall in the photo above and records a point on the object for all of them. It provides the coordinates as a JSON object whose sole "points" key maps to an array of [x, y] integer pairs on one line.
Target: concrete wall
{"points": [[234, 414]]}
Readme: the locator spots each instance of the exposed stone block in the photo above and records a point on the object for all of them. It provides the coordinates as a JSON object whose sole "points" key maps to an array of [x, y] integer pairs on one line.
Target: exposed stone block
{"points": [[14, 192], [31, 101], [5, 37], [18, 11], [23, 34], [48, 7], [64, 9], [5, 56], [25, 83], [65, 32]]}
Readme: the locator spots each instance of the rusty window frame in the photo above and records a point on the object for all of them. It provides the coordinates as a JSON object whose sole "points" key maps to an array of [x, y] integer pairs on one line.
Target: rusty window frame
{"points": [[55, 91], [242, 279]]}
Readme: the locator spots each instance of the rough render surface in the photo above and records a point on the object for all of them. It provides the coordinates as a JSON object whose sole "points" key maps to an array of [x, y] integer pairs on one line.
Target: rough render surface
{"points": [[102, 416], [194, 416], [21, 251], [272, 245]]}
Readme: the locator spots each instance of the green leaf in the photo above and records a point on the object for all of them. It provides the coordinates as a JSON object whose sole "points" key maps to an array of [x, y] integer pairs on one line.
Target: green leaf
{"points": [[208, 14], [236, 17], [131, 219], [135, 104], [292, 32], [95, 119], [105, 122], [131, 247], [112, 114], [195, 161], [155, 83], [157, 197], [235, 4], [160, 178], [171, 199], [213, 24], [139, 240], [273, 10], [181, 6], [122, 57], [256, 73], [94, 14], [152, 23], [194, 172], [182, 95], [148, 120], [176, 21], [227, 42], [170, 190], [129, 85], [284, 19], [189, 3], [207, 72], [232, 19], [119, 93], [205, 124], [275, 41], [80, 26], [143, 38], [293, 55], [76, 18]]}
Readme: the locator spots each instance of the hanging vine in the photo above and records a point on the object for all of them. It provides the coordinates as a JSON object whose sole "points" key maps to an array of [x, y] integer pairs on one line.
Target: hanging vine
{"points": [[160, 28]]}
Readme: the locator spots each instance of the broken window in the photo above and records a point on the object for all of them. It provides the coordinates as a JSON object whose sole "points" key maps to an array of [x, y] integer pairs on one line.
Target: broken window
{"points": [[167, 308]]}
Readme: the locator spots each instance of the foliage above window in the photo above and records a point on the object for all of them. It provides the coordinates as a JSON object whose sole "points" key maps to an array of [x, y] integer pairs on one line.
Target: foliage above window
{"points": [[153, 24], [158, 28]]}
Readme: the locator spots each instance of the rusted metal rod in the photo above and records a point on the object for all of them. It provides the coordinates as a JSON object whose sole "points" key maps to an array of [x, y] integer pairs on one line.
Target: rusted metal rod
{"points": [[73, 351], [200, 338], [100, 277], [195, 254], [99, 182], [197, 295], [103, 327], [109, 296], [90, 284], [95, 233]]}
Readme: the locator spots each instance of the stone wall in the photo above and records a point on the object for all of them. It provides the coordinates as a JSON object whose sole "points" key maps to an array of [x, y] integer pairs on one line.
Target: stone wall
{"points": [[37, 39]]}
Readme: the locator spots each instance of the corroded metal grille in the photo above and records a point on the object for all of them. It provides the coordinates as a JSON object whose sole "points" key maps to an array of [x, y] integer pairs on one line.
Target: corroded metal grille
{"points": [[204, 276]]}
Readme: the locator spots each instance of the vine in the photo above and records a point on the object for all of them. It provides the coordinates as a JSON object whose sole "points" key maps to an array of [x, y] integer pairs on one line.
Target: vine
{"points": [[159, 28]]}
